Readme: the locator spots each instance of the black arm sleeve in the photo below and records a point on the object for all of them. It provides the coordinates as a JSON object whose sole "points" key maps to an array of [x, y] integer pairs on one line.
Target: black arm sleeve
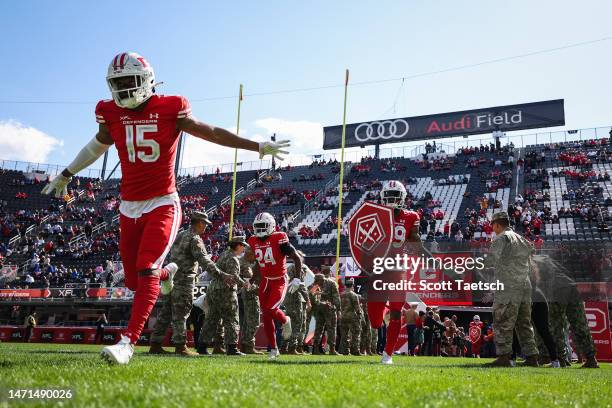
{"points": [[287, 249]]}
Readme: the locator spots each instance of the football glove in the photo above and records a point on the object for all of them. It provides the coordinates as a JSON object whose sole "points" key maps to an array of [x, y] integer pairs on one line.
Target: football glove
{"points": [[294, 285], [273, 149], [58, 186]]}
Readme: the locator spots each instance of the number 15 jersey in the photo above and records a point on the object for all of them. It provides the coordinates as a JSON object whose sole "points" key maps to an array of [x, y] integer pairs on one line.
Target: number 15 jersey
{"points": [[146, 141], [271, 253]]}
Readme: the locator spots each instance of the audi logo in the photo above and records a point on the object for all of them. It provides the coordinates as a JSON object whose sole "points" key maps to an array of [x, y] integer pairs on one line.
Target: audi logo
{"points": [[386, 129]]}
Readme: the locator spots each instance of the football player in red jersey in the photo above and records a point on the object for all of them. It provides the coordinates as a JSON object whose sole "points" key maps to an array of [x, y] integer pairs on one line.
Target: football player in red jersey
{"points": [[145, 129], [405, 237], [476, 336], [271, 249]]}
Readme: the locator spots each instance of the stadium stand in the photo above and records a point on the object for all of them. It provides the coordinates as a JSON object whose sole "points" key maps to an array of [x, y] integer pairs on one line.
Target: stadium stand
{"points": [[555, 192]]}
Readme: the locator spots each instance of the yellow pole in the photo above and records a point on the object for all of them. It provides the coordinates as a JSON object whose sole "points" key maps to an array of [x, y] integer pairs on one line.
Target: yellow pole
{"points": [[340, 188], [231, 225]]}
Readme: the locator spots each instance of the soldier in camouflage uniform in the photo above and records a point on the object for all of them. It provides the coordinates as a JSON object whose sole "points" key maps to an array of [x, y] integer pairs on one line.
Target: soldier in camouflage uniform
{"points": [[510, 255], [350, 323], [565, 305], [223, 298], [250, 303], [188, 252], [328, 309], [294, 304], [366, 335]]}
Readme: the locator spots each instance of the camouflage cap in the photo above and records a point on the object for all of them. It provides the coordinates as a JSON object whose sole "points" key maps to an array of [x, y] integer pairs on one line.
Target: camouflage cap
{"points": [[238, 239], [502, 215], [349, 283], [201, 216], [325, 268]]}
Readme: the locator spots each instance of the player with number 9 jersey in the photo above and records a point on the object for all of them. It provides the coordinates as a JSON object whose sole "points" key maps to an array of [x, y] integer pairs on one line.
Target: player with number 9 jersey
{"points": [[404, 234]]}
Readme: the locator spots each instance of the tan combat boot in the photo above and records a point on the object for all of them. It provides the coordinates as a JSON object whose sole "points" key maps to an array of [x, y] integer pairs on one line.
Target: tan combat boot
{"points": [[291, 350], [591, 362], [183, 350], [300, 350], [501, 361], [332, 350], [217, 349], [249, 349], [156, 348]]}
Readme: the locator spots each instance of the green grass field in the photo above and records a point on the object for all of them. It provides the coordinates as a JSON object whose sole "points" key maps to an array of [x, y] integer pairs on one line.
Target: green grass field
{"points": [[317, 381]]}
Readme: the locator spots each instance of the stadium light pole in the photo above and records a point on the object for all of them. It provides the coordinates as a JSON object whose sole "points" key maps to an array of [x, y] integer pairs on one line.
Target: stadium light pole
{"points": [[340, 187], [231, 225]]}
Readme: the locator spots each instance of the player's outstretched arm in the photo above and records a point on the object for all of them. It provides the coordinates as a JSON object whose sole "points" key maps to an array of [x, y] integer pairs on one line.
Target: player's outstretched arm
{"points": [[86, 157], [226, 138]]}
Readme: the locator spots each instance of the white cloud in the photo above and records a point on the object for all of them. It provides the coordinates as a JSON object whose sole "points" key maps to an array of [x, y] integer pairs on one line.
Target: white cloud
{"points": [[24, 143], [306, 139]]}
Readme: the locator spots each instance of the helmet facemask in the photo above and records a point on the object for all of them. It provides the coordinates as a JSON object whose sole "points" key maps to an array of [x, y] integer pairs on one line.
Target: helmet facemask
{"points": [[393, 198], [131, 90], [260, 229]]}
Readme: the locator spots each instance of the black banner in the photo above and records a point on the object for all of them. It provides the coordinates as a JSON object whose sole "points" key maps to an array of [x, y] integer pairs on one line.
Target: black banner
{"points": [[452, 124]]}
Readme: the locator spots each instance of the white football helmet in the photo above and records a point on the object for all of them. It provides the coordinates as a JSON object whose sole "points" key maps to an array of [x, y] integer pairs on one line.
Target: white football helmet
{"points": [[393, 194], [131, 80], [264, 225]]}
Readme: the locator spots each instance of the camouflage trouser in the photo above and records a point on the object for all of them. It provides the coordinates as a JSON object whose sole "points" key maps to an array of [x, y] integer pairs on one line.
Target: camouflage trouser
{"points": [[366, 335], [305, 324], [325, 321], [175, 310], [576, 316], [350, 329], [218, 336], [540, 344], [223, 305], [250, 323], [297, 326], [508, 317], [373, 340]]}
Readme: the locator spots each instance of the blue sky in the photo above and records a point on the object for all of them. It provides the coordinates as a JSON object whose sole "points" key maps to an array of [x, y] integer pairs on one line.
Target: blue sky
{"points": [[59, 51]]}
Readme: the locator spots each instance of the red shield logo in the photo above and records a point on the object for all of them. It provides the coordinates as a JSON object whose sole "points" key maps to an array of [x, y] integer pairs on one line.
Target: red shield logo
{"points": [[475, 333], [370, 234]]}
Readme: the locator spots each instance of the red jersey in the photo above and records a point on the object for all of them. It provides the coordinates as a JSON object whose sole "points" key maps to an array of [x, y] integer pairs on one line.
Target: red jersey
{"points": [[402, 224], [269, 255], [146, 141]]}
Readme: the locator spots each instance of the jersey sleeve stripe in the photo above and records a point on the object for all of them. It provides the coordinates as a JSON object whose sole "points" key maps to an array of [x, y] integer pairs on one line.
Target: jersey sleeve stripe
{"points": [[184, 111], [100, 120]]}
